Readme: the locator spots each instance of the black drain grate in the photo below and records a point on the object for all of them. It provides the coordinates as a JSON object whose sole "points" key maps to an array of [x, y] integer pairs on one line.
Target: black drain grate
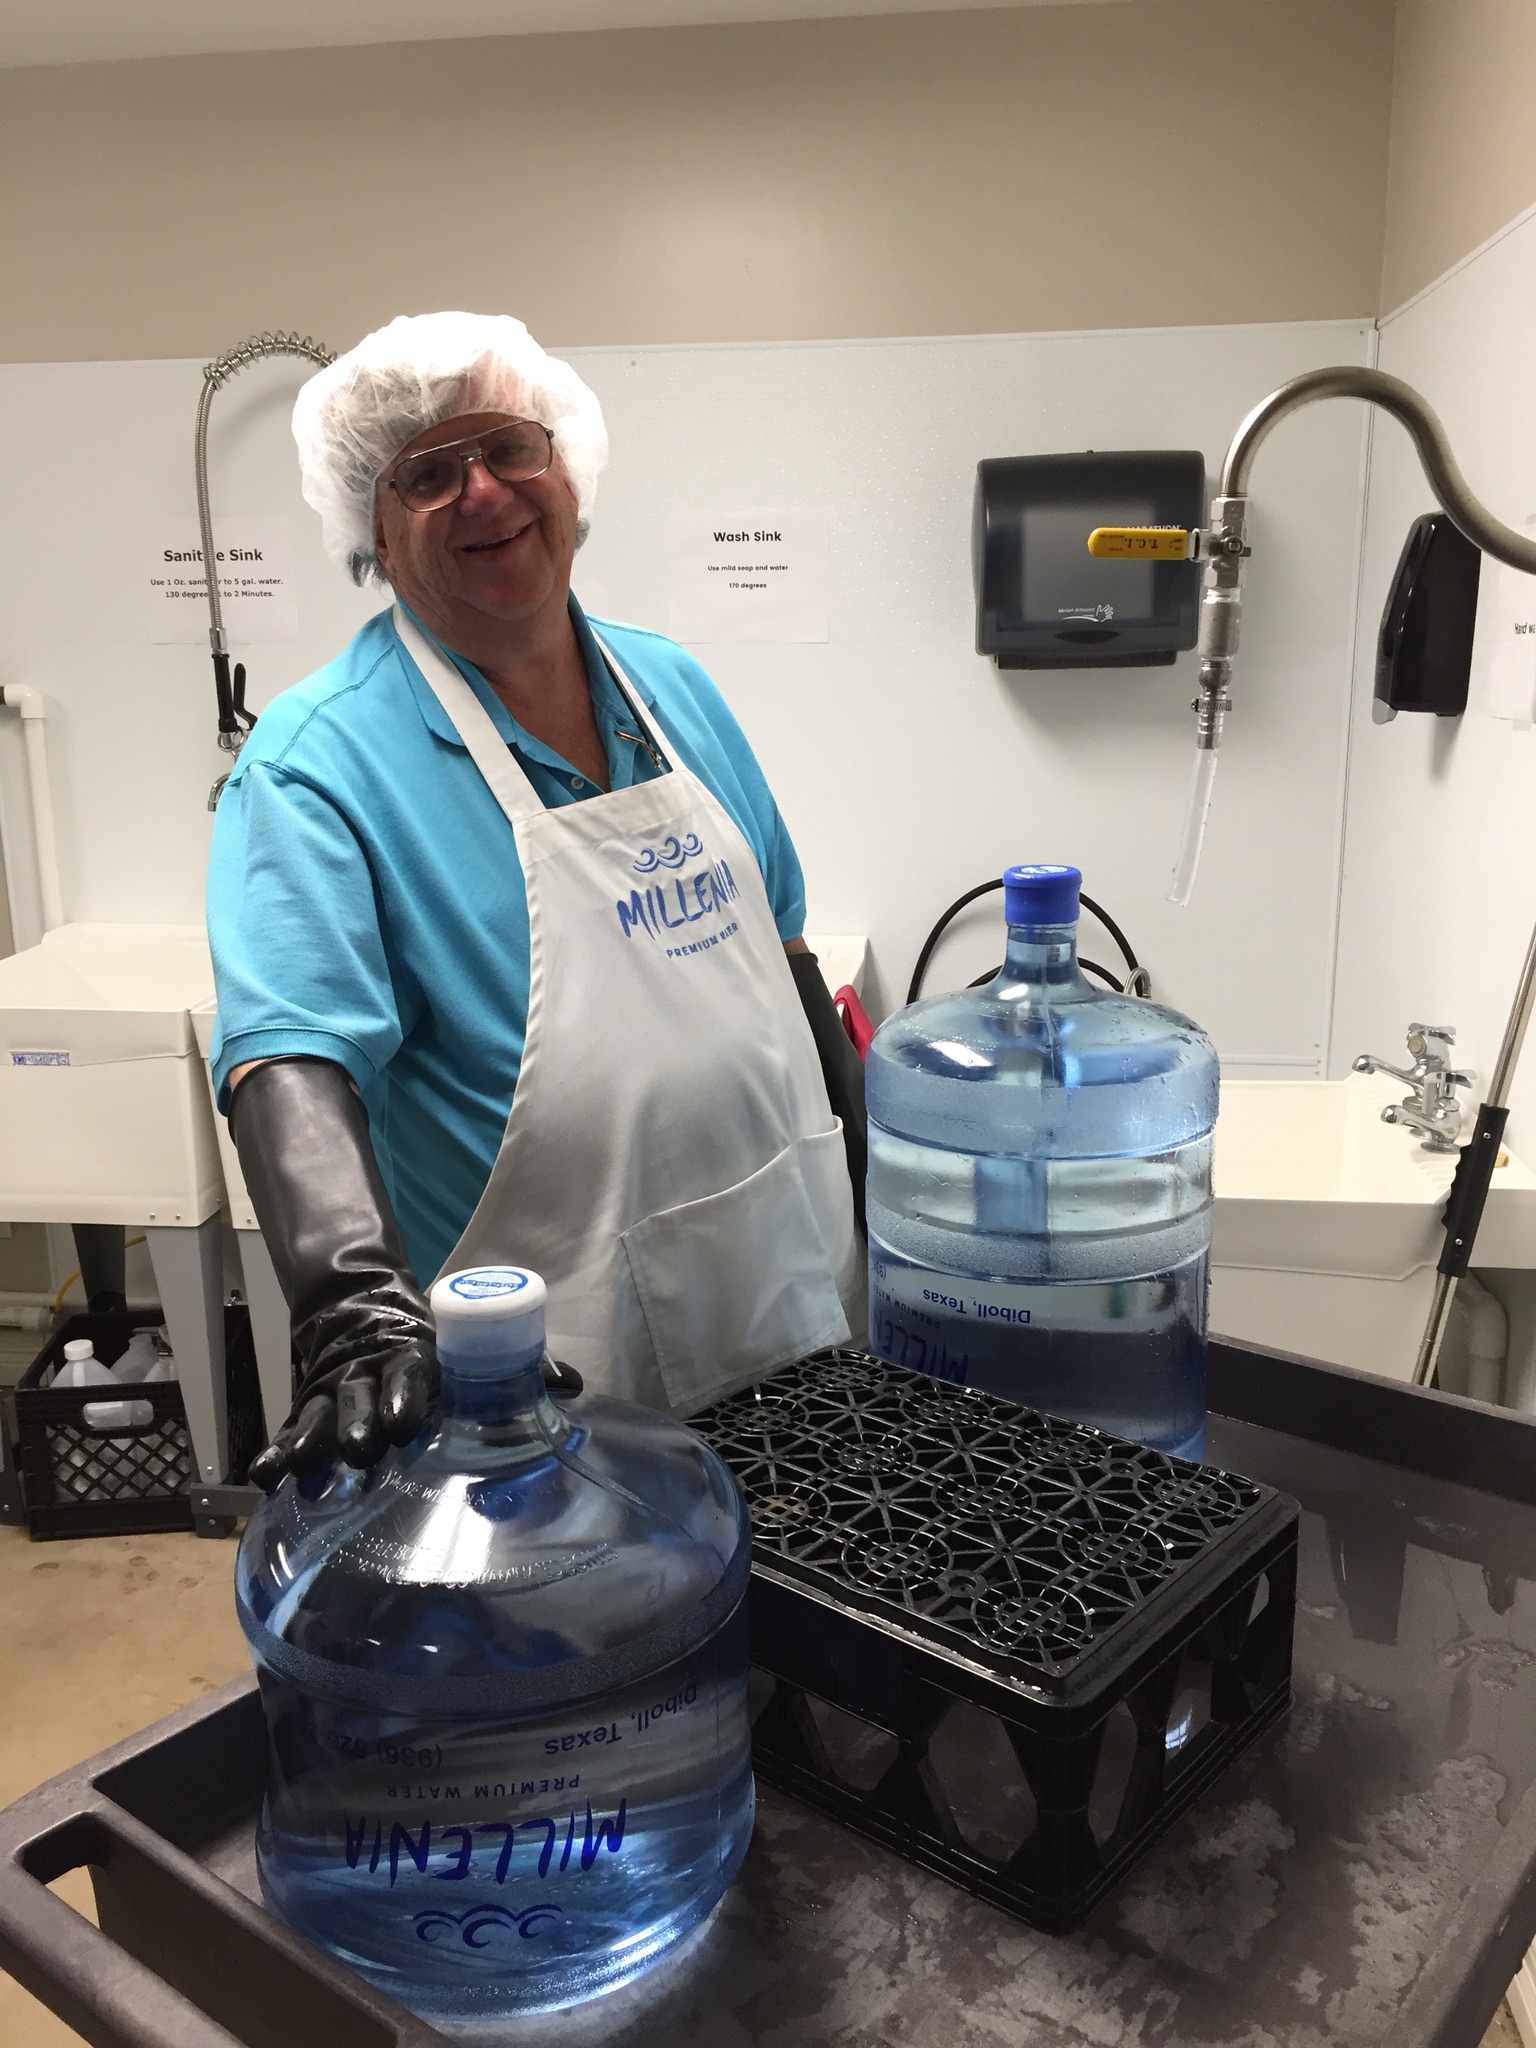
{"points": [[925, 1557]]}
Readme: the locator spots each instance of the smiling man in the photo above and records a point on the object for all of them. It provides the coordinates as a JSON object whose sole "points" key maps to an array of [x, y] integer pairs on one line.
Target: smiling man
{"points": [[506, 931]]}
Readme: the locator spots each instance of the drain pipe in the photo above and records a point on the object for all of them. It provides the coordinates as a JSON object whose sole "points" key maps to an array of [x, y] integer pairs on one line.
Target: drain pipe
{"points": [[23, 1311], [1487, 1340], [30, 705]]}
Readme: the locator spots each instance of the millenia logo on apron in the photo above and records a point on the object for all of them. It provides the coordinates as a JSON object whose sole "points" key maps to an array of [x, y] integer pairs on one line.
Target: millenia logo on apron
{"points": [[671, 1165], [706, 894]]}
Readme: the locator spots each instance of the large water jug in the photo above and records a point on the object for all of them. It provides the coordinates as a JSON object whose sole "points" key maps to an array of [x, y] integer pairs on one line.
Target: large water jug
{"points": [[504, 1675], [1039, 1189]]}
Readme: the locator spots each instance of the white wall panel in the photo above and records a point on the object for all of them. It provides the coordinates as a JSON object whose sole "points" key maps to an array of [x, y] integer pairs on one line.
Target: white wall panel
{"points": [[1439, 883], [907, 766], [132, 725]]}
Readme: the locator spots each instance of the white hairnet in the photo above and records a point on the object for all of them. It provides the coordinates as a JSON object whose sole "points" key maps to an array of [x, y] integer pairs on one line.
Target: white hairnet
{"points": [[353, 417]]}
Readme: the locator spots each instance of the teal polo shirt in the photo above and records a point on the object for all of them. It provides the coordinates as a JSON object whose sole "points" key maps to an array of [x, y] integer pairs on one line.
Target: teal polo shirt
{"points": [[366, 903]]}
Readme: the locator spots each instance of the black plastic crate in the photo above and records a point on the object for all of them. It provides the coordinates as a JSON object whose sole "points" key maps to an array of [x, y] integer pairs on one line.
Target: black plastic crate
{"points": [[1008, 1647], [81, 1481], [11, 1509]]}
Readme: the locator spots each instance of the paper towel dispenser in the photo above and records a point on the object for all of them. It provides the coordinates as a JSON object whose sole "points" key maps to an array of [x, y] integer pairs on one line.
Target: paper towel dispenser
{"points": [[1424, 647], [1042, 601]]}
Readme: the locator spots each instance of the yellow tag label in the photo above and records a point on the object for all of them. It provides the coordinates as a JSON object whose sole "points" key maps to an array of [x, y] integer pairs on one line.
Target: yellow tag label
{"points": [[1139, 543]]}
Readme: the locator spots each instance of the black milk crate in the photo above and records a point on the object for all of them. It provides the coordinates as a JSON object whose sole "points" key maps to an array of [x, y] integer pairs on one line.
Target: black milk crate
{"points": [[77, 1480], [1010, 1648]]}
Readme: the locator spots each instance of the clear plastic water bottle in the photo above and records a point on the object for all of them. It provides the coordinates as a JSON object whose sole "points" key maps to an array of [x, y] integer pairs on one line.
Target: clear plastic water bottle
{"points": [[1039, 1188], [505, 1676], [82, 1368]]}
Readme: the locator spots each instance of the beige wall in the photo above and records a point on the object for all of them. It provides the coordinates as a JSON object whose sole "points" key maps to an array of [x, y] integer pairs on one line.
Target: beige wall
{"points": [[1043, 167], [1463, 151]]}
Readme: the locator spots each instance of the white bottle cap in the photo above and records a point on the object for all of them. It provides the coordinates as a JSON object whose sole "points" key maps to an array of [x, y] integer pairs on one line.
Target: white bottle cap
{"points": [[78, 1348], [490, 1311]]}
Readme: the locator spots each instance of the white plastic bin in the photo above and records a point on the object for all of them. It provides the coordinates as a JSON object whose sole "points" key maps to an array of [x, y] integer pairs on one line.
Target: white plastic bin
{"points": [[1328, 1222], [105, 1118], [102, 1101]]}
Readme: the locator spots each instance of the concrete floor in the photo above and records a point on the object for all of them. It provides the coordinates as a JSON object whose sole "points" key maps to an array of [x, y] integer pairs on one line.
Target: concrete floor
{"points": [[99, 1638]]}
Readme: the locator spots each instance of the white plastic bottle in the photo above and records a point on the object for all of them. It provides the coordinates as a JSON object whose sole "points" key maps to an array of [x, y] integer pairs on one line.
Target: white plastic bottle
{"points": [[143, 1361], [137, 1359], [165, 1363], [81, 1367]]}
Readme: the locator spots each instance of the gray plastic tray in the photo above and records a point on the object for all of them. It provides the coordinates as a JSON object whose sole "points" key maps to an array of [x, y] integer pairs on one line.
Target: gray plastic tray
{"points": [[1365, 1874]]}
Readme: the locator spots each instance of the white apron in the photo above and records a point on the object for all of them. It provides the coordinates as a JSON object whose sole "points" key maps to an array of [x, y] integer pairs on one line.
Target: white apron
{"points": [[671, 1165]]}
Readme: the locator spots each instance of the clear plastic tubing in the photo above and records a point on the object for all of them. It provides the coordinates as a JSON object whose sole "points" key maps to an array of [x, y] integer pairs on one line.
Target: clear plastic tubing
{"points": [[505, 1681], [1039, 1193], [1187, 865]]}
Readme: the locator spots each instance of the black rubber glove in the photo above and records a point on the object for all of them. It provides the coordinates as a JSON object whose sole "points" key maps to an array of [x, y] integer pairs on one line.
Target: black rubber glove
{"points": [[841, 1068], [360, 1322]]}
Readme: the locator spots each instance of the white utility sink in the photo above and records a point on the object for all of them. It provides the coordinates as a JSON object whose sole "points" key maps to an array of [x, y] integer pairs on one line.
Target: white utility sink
{"points": [[102, 1100], [1328, 1221], [105, 1118], [1309, 1179]]}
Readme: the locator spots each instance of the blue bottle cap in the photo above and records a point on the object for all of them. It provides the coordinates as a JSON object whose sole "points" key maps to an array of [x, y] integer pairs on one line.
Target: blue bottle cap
{"points": [[1041, 895], [489, 1311]]}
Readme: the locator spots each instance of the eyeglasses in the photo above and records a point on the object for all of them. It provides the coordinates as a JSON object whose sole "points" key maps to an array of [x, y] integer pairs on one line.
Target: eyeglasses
{"points": [[514, 453]]}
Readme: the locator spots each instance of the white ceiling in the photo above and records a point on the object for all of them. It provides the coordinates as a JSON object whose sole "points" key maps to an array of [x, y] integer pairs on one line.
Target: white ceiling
{"points": [[85, 31]]}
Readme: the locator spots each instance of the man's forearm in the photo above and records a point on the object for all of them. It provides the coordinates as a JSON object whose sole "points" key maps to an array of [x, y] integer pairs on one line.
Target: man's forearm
{"points": [[360, 1322], [841, 1067]]}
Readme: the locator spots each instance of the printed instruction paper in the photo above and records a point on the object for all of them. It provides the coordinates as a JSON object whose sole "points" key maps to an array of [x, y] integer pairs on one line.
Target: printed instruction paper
{"points": [[1512, 668], [740, 575], [255, 582]]}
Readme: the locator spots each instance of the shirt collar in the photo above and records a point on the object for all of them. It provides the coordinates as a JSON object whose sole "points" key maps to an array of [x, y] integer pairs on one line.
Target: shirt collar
{"points": [[608, 701]]}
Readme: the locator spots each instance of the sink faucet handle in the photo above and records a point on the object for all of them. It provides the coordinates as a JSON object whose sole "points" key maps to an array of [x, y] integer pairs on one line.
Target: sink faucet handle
{"points": [[1370, 1063], [1432, 1111]]}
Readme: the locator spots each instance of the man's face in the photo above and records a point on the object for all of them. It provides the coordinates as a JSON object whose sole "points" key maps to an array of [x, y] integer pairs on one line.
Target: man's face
{"points": [[499, 553]]}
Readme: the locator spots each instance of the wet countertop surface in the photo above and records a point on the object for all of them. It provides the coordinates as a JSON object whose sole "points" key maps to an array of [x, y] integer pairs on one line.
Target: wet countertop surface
{"points": [[1296, 1903]]}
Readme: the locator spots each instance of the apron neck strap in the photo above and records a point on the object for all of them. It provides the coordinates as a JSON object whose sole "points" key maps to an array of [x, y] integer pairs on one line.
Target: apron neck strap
{"points": [[472, 722], [477, 729], [634, 700]]}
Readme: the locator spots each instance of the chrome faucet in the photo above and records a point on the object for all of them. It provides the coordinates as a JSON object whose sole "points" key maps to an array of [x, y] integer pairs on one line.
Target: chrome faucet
{"points": [[1433, 1111]]}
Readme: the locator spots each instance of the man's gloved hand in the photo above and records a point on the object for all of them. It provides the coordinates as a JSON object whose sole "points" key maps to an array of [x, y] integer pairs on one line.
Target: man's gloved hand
{"points": [[360, 1322], [841, 1068]]}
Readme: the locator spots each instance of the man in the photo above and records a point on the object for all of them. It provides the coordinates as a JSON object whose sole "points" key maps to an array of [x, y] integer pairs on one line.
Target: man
{"points": [[506, 932]]}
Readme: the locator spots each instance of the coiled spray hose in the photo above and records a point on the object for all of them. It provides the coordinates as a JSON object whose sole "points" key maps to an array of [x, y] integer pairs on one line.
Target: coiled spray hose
{"points": [[1223, 548], [234, 720]]}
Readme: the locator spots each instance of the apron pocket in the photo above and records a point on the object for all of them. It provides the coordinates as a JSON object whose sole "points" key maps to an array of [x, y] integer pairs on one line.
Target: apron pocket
{"points": [[824, 1168], [738, 1282]]}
